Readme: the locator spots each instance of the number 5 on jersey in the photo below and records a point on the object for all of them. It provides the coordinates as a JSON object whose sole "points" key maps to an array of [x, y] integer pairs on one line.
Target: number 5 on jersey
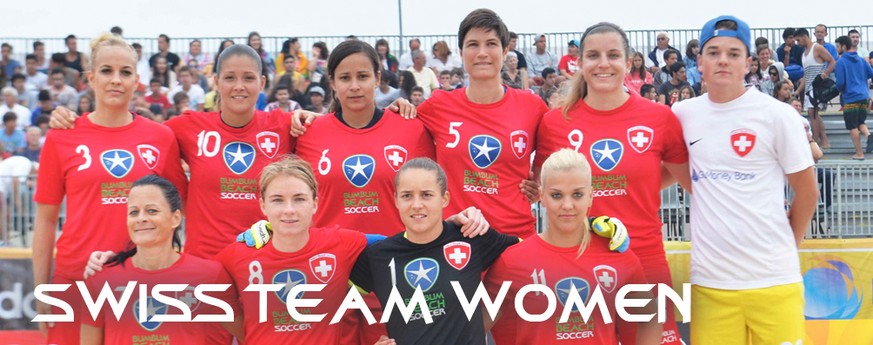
{"points": [[455, 133]]}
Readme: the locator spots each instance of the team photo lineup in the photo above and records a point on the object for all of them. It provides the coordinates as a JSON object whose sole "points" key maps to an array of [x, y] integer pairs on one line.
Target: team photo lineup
{"points": [[354, 197]]}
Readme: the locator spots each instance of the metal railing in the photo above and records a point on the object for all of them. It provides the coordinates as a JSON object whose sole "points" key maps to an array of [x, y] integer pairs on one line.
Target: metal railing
{"points": [[640, 40]]}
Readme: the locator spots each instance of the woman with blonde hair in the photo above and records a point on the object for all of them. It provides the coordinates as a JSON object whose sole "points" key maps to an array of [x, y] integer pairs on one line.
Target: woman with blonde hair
{"points": [[629, 142], [568, 258], [93, 167]]}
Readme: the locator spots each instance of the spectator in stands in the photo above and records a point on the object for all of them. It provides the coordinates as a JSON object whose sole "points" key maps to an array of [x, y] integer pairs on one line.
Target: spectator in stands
{"points": [[282, 57], [783, 91], [42, 122], [283, 102], [567, 65], [406, 80], [638, 75], [406, 58], [33, 146], [181, 103], [768, 79], [195, 53], [539, 59], [417, 95], [389, 61], [853, 75], [254, 41], [316, 100], [36, 79], [657, 58], [171, 59], [39, 51], [62, 93], [302, 62], [511, 76], [765, 60], [317, 64], [791, 56], [820, 32], [458, 77], [662, 76], [649, 92], [677, 81], [210, 69], [196, 95], [855, 36], [26, 92], [816, 62], [550, 78], [385, 94], [75, 59], [86, 105], [197, 76], [156, 97], [446, 81], [522, 62], [686, 92], [59, 60], [442, 58], [690, 60], [754, 77], [10, 65], [142, 65], [424, 77], [10, 104], [44, 106], [161, 71], [12, 137]]}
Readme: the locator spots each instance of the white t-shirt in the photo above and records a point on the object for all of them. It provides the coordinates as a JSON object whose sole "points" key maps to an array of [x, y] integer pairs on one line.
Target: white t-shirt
{"points": [[195, 95], [453, 61], [739, 154]]}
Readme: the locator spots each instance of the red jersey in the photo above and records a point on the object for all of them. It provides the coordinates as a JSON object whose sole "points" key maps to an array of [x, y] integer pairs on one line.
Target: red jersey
{"points": [[225, 164], [355, 169], [94, 167], [159, 99], [568, 63], [559, 268], [485, 150], [625, 147], [129, 329], [327, 258]]}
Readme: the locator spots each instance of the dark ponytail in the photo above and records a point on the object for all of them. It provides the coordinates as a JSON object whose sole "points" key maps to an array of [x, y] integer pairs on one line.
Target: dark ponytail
{"points": [[171, 195], [344, 50]]}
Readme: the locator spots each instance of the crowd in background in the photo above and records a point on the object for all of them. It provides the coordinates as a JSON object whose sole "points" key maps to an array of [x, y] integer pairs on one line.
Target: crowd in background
{"points": [[172, 83]]}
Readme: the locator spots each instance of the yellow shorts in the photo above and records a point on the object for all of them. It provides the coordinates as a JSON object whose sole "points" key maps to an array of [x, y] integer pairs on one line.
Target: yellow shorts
{"points": [[768, 316]]}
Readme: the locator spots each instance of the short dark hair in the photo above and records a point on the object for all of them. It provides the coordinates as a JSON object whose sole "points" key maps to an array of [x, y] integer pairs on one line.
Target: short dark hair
{"points": [[44, 95], [6, 45], [30, 57], [512, 35], [417, 88], [646, 88], [801, 32], [854, 31], [17, 76], [10, 116], [69, 37], [42, 119], [154, 80], [59, 58], [37, 44], [186, 69], [487, 20], [445, 72], [547, 71], [674, 68], [136, 45], [165, 37], [59, 71], [116, 30], [761, 40], [669, 52], [179, 97], [844, 41], [788, 32]]}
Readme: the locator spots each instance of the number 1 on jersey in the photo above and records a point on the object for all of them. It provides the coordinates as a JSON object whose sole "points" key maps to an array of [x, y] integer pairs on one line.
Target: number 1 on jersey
{"points": [[393, 272], [538, 278]]}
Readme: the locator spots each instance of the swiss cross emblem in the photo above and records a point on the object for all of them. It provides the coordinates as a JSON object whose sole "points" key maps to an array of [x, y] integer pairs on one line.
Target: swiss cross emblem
{"points": [[395, 155], [457, 254], [640, 138], [519, 141], [606, 277], [149, 155], [743, 141], [268, 143], [322, 266], [187, 296]]}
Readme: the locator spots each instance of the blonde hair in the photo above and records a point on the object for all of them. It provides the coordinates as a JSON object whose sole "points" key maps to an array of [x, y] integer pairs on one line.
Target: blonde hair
{"points": [[580, 89], [109, 40], [288, 166], [564, 160]]}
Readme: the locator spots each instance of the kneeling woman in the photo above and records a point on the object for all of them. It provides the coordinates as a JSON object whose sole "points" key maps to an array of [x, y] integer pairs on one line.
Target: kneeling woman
{"points": [[429, 254], [566, 255], [153, 218]]}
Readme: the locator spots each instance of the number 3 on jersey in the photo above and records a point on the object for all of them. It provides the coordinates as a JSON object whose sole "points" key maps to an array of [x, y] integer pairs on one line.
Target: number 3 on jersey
{"points": [[455, 133], [204, 139]]}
